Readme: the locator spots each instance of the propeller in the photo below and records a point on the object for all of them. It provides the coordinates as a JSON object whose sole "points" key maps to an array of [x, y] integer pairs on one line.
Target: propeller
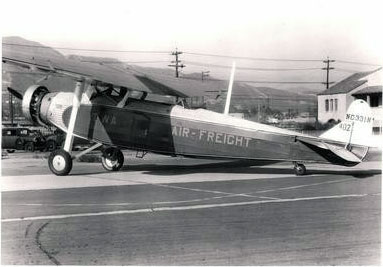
{"points": [[15, 93]]}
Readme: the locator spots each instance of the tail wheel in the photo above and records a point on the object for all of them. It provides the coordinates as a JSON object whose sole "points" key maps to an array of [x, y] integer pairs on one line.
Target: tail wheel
{"points": [[30, 147], [299, 169], [112, 159], [60, 162]]}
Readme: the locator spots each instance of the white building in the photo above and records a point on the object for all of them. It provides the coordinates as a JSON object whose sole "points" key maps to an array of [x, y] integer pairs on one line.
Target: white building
{"points": [[334, 102]]}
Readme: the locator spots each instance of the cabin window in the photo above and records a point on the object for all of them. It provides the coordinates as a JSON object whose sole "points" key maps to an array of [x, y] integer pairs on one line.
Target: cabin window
{"points": [[326, 104], [331, 104], [336, 104]]}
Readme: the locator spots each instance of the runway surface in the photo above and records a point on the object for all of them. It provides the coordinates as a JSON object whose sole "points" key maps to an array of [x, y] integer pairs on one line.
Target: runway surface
{"points": [[176, 211]]}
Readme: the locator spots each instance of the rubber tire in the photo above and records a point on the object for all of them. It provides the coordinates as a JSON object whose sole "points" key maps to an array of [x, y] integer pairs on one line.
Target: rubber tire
{"points": [[10, 150], [29, 146], [51, 145], [65, 158], [300, 169], [108, 155], [19, 144]]}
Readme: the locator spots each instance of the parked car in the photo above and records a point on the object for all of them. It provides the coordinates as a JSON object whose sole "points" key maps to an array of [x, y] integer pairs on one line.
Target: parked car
{"points": [[55, 140], [21, 138]]}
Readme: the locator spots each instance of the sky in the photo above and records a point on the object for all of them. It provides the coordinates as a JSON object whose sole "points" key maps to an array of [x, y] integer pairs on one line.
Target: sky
{"points": [[342, 30]]}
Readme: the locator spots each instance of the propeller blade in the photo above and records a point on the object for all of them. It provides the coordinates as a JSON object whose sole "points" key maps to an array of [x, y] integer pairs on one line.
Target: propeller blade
{"points": [[15, 93]]}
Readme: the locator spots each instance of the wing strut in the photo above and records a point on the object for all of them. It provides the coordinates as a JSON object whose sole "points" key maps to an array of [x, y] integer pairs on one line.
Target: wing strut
{"points": [[230, 89], [76, 104]]}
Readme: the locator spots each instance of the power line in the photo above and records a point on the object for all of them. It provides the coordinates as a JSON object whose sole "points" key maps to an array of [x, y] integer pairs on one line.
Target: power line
{"points": [[189, 53], [254, 58], [36, 73], [359, 63], [249, 68], [275, 82], [125, 61], [345, 70], [177, 63], [298, 97], [88, 50], [282, 82]]}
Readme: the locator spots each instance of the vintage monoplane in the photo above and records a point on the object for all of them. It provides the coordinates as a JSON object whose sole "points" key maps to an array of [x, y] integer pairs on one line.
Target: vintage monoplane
{"points": [[113, 110]]}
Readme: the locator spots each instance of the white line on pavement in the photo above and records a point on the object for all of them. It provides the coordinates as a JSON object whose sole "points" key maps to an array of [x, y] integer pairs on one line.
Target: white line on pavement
{"points": [[50, 181], [193, 207]]}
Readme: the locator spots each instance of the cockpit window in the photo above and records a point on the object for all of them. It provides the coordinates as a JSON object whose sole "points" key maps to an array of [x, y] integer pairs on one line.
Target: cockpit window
{"points": [[115, 94]]}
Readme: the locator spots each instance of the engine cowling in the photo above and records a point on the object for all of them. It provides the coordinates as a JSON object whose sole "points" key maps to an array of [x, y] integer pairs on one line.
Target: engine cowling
{"points": [[32, 102]]}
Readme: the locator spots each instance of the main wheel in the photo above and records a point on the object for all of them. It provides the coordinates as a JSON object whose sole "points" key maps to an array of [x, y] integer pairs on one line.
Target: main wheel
{"points": [[60, 162], [112, 159], [300, 169]]}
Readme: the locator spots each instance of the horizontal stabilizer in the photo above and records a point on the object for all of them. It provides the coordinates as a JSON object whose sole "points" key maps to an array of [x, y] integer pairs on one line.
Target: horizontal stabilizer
{"points": [[335, 154], [344, 153]]}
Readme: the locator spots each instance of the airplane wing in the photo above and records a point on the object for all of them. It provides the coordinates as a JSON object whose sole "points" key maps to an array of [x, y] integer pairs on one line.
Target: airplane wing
{"points": [[103, 74]]}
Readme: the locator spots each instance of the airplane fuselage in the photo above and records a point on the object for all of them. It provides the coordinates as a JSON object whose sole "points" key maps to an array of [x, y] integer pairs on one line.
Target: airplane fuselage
{"points": [[174, 130]]}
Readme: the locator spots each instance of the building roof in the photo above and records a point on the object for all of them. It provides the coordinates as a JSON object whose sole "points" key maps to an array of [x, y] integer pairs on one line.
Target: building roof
{"points": [[369, 90], [348, 84]]}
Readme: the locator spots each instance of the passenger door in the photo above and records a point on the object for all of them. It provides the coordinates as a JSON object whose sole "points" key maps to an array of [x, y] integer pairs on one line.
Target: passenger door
{"points": [[141, 131]]}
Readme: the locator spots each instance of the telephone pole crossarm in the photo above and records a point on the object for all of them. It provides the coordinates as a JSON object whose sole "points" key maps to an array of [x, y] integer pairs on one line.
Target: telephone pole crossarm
{"points": [[204, 74]]}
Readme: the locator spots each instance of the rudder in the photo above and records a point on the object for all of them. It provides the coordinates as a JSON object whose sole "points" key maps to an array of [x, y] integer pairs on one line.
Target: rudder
{"points": [[355, 128]]}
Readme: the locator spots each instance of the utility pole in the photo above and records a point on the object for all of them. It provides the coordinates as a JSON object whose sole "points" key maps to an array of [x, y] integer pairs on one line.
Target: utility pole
{"points": [[328, 68], [204, 74], [177, 63]]}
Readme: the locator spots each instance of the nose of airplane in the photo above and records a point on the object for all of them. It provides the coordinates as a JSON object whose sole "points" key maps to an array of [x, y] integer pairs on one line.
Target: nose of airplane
{"points": [[35, 104]]}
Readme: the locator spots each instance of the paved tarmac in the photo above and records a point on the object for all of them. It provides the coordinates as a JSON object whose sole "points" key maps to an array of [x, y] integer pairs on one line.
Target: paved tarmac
{"points": [[175, 211]]}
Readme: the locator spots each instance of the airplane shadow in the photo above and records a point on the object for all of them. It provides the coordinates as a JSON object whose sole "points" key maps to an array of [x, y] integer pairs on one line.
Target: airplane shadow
{"points": [[360, 174], [241, 167]]}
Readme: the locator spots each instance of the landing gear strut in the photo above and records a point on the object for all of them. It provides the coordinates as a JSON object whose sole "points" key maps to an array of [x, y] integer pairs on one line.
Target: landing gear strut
{"points": [[60, 161], [299, 169], [112, 159]]}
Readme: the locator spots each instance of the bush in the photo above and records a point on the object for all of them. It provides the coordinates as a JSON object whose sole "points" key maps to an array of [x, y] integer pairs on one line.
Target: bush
{"points": [[312, 126]]}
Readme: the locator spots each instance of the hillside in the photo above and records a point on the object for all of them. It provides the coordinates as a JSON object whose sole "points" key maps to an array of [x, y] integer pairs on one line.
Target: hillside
{"points": [[23, 46]]}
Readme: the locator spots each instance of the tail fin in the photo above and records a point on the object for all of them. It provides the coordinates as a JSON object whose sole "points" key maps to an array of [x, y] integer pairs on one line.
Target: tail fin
{"points": [[356, 128]]}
